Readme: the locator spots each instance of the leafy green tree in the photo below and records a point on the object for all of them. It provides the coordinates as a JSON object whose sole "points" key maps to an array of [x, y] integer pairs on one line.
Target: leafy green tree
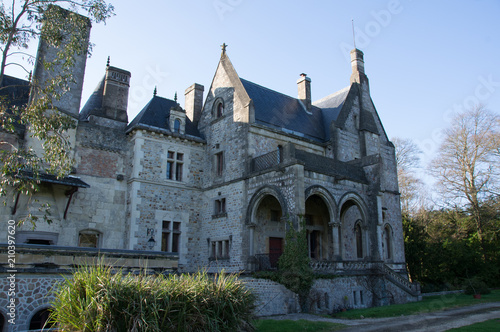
{"points": [[20, 23], [295, 272]]}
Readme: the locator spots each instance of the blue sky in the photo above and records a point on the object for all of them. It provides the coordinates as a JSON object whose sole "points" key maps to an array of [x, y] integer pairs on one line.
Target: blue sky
{"points": [[424, 59]]}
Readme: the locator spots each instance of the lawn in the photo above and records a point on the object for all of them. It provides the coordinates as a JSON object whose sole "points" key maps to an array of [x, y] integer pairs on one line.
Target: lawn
{"points": [[271, 325], [490, 325], [428, 304]]}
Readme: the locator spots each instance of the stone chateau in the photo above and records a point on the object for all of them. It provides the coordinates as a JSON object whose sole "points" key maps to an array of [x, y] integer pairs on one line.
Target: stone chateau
{"points": [[211, 186]]}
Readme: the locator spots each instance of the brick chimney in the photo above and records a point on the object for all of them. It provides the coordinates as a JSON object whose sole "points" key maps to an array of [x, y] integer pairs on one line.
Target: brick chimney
{"points": [[194, 102], [115, 96], [304, 86]]}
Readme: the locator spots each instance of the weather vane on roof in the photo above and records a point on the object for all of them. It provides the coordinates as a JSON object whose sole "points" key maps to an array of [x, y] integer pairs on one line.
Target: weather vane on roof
{"points": [[224, 46]]}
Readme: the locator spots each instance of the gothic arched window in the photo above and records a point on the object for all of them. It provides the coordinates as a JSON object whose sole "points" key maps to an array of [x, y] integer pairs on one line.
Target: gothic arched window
{"points": [[359, 241]]}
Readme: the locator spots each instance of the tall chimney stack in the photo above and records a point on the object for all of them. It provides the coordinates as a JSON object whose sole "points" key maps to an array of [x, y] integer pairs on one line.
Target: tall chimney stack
{"points": [[194, 102], [115, 96], [358, 67], [304, 86]]}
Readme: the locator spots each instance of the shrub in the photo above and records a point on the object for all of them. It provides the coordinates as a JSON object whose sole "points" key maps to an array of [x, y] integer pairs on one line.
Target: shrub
{"points": [[294, 270], [96, 299], [476, 286]]}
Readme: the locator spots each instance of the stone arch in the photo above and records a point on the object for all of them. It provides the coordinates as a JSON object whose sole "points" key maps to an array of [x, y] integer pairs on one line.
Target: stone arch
{"points": [[259, 196], [320, 212], [265, 220], [354, 227], [32, 309], [3, 315], [327, 197], [218, 108]]}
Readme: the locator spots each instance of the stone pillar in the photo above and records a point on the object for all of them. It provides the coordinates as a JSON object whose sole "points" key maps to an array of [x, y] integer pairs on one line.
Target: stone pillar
{"points": [[251, 240], [336, 240]]}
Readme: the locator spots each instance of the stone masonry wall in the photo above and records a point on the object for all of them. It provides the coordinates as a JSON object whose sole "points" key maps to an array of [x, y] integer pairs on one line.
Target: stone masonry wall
{"points": [[32, 295]]}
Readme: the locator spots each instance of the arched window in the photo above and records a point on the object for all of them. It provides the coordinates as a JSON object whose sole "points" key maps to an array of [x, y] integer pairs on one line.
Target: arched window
{"points": [[40, 320], [359, 241], [218, 110], [177, 125], [388, 242]]}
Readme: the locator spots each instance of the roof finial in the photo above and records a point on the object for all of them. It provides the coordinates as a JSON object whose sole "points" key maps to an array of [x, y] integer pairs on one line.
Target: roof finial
{"points": [[154, 92], [107, 64], [175, 97], [224, 46], [353, 34]]}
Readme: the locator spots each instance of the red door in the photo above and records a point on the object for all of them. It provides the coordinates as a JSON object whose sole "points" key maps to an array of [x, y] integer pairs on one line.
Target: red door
{"points": [[275, 250]]}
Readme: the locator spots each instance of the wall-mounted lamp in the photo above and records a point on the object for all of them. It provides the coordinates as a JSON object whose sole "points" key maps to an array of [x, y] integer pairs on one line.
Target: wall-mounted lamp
{"points": [[151, 241]]}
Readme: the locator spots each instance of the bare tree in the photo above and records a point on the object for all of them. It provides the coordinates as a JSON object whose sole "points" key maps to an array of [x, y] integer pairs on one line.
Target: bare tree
{"points": [[468, 162], [410, 187]]}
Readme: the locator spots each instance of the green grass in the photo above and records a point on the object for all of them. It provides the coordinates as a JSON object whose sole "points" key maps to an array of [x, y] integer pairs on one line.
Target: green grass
{"points": [[428, 304], [487, 326], [271, 325]]}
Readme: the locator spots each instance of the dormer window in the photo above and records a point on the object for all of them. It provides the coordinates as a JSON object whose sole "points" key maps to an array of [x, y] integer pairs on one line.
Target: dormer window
{"points": [[177, 126]]}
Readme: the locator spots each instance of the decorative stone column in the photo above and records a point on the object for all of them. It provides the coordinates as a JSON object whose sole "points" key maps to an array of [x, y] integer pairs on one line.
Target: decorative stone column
{"points": [[336, 239]]}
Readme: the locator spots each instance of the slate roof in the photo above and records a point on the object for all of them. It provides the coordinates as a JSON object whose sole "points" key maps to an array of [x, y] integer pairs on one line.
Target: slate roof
{"points": [[289, 114], [155, 115], [94, 103], [330, 108], [284, 112]]}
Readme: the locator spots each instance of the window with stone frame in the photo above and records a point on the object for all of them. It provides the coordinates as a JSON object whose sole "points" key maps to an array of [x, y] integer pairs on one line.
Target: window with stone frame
{"points": [[170, 236], [175, 164], [218, 110], [387, 240], [89, 239], [359, 240], [177, 126], [220, 207], [219, 163], [219, 249]]}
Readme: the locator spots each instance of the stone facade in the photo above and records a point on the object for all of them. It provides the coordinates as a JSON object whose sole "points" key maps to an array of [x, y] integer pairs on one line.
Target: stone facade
{"points": [[212, 187]]}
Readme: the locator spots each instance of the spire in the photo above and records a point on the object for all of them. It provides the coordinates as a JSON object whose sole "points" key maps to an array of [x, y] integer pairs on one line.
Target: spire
{"points": [[353, 34], [175, 97], [107, 64], [154, 92]]}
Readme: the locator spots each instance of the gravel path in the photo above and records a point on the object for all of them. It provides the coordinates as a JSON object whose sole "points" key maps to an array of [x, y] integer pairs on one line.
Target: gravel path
{"points": [[435, 321]]}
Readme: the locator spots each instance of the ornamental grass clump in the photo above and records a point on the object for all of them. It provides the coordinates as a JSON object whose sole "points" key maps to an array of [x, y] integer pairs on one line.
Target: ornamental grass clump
{"points": [[96, 299]]}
